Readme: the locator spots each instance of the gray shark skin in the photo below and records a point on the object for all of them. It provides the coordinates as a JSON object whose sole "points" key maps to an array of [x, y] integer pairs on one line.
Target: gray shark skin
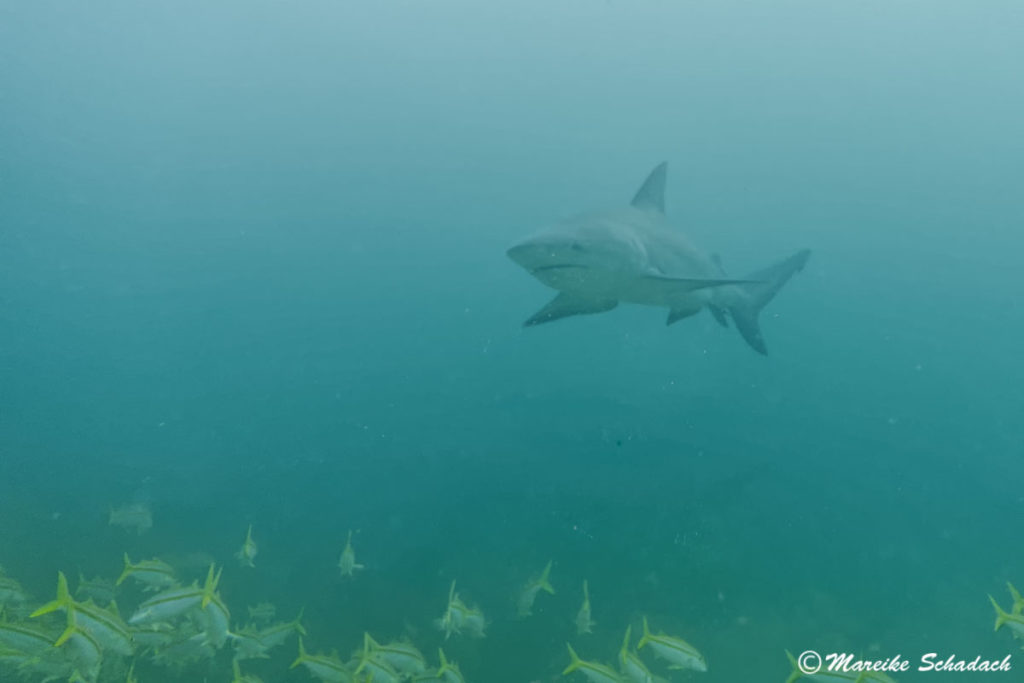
{"points": [[634, 255]]}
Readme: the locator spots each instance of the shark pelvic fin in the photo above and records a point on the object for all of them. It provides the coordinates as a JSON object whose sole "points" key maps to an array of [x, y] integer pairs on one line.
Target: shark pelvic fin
{"points": [[651, 195], [565, 305], [680, 312], [719, 313]]}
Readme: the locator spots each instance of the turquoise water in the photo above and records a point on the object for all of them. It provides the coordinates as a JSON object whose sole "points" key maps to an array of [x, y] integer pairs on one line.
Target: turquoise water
{"points": [[253, 271]]}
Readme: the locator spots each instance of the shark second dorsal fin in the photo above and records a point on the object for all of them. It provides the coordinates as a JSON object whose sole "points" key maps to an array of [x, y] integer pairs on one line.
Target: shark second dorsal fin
{"points": [[651, 195]]}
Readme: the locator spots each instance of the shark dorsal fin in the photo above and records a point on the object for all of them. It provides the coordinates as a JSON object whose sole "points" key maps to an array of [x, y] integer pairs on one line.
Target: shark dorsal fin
{"points": [[651, 195]]}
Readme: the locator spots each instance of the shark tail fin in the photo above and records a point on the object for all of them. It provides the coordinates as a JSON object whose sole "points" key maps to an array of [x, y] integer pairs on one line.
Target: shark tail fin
{"points": [[767, 283]]}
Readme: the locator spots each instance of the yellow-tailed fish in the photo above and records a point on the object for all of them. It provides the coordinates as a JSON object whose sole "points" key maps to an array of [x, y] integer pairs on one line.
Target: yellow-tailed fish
{"points": [[325, 667], [264, 612], [377, 670], [153, 574], [347, 563], [528, 594], [86, 655], [473, 621], [449, 671], [584, 622], [175, 601], [134, 516], [104, 625], [1013, 621], [215, 620], [404, 658], [247, 553], [26, 638], [630, 664], [236, 671], [1018, 601], [248, 645], [152, 637], [460, 619], [277, 634], [676, 651], [187, 647], [99, 589], [11, 592], [450, 621], [596, 673]]}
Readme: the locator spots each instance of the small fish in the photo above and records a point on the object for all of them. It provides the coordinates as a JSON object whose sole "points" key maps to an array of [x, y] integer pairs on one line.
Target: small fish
{"points": [[236, 671], [676, 651], [11, 592], [530, 590], [52, 666], [459, 619], [1014, 621], [175, 601], [347, 563], [327, 668], [631, 665], [584, 624], [25, 638], [153, 574], [596, 673], [247, 553], [188, 647], [447, 622], [276, 634], [103, 591], [248, 645], [449, 671], [473, 621], [86, 655], [214, 619], [402, 657], [103, 625], [152, 637], [263, 613], [134, 516], [377, 670], [13, 658], [1018, 601]]}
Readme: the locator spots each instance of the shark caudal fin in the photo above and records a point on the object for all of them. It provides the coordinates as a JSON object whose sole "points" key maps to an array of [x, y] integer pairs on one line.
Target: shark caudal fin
{"points": [[757, 295]]}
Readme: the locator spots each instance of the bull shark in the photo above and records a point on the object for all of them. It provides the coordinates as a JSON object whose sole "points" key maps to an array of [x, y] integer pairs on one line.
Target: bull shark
{"points": [[634, 255]]}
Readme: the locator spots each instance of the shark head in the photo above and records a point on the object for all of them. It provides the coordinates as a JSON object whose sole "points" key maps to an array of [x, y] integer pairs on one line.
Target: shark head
{"points": [[577, 247]]}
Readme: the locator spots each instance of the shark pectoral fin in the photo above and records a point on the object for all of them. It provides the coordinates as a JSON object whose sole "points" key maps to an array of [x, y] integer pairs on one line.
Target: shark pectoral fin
{"points": [[719, 314], [680, 312], [564, 305]]}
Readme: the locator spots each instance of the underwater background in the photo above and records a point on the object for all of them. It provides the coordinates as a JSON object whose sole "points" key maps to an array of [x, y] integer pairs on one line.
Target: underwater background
{"points": [[253, 272]]}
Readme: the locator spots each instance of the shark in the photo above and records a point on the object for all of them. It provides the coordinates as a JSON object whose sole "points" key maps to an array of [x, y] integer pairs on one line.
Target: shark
{"points": [[633, 254]]}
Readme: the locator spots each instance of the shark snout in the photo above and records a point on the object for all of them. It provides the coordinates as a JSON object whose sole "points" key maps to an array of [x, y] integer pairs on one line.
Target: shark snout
{"points": [[529, 254], [545, 251]]}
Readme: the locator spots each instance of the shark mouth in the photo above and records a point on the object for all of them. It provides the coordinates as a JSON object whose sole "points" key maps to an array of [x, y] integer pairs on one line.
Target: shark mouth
{"points": [[557, 266]]}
